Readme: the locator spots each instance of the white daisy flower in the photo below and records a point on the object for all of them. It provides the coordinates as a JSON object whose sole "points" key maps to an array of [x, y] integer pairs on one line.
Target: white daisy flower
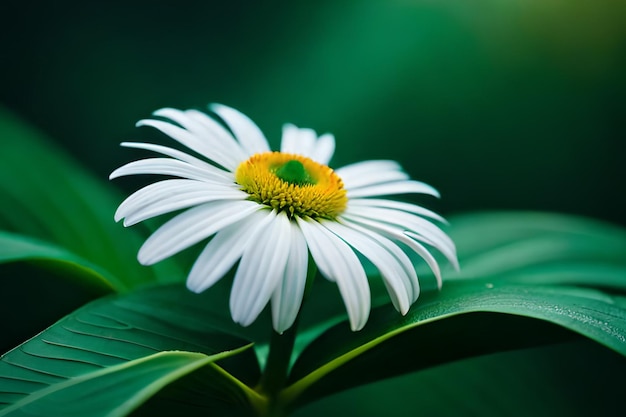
{"points": [[269, 210]]}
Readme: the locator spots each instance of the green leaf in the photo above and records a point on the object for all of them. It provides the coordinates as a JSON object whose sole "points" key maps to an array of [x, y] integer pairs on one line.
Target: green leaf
{"points": [[58, 281], [540, 247], [568, 379], [115, 390], [18, 248], [104, 358], [47, 195], [466, 319], [515, 289]]}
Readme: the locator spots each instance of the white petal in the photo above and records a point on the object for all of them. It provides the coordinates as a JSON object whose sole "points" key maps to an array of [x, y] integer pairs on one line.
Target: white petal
{"points": [[353, 172], [297, 141], [394, 276], [246, 131], [203, 146], [324, 149], [217, 135], [410, 279], [289, 140], [261, 270], [287, 297], [182, 189], [424, 254], [399, 235], [367, 179], [338, 263], [448, 251], [191, 226], [396, 187], [430, 233], [396, 205], [153, 192], [181, 156], [181, 201], [206, 130], [226, 247], [375, 178], [166, 166]]}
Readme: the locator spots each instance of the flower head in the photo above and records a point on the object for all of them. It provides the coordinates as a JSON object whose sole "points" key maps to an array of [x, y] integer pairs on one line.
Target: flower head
{"points": [[270, 210]]}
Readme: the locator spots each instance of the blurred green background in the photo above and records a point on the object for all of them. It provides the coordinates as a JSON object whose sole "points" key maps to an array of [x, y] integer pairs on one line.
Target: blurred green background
{"points": [[500, 104]]}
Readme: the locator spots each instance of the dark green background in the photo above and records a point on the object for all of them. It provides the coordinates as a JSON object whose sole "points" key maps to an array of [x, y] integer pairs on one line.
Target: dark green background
{"points": [[500, 104], [515, 104]]}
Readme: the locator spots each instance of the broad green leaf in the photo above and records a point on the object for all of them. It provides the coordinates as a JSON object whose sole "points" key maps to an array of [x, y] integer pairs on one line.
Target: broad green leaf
{"points": [[18, 248], [111, 342], [466, 319], [525, 247], [501, 228], [114, 390], [520, 245], [47, 195], [568, 379], [43, 282]]}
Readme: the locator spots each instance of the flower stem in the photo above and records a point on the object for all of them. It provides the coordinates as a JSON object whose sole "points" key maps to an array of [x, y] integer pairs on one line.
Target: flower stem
{"points": [[277, 367], [276, 370]]}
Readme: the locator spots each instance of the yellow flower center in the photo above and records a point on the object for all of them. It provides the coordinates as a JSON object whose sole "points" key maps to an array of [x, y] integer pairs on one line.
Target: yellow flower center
{"points": [[292, 183]]}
